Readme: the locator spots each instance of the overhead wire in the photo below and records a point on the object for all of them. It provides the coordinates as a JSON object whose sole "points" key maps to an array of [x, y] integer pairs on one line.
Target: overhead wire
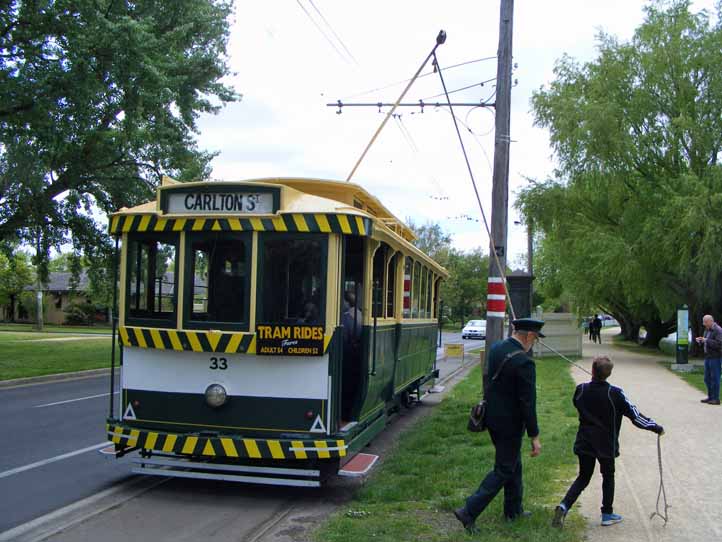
{"points": [[333, 32], [331, 43], [391, 85], [462, 88], [415, 148]]}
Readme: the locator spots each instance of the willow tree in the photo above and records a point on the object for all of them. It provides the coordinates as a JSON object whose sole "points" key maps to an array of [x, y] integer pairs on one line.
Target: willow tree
{"points": [[633, 213]]}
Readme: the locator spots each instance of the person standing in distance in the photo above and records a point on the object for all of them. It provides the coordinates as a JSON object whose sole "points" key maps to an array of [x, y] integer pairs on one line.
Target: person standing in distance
{"points": [[712, 341], [511, 409]]}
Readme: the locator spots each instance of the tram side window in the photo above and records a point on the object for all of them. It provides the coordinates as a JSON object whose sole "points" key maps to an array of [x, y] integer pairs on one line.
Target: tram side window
{"points": [[408, 267], [423, 286], [377, 293], [220, 271], [292, 281], [391, 287], [151, 278], [429, 296], [415, 289]]}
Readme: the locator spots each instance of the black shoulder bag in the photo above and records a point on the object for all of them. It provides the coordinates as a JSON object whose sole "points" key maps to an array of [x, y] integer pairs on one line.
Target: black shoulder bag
{"points": [[477, 417]]}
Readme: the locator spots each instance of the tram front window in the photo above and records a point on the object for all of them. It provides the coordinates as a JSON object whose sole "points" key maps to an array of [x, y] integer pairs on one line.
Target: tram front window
{"points": [[151, 278], [292, 280], [219, 267]]}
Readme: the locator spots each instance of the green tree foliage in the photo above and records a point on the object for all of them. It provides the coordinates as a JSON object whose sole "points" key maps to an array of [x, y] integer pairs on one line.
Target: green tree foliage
{"points": [[15, 274], [98, 98], [432, 240], [632, 223]]}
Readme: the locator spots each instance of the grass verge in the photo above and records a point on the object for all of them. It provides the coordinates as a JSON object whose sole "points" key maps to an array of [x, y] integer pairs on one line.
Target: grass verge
{"points": [[694, 377], [30, 328], [437, 463], [35, 354]]}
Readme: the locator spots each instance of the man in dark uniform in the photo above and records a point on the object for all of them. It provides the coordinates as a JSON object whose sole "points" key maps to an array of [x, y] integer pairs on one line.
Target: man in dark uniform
{"points": [[511, 408]]}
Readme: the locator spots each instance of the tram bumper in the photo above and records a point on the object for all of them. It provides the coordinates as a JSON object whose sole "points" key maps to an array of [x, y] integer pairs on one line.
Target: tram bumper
{"points": [[230, 447]]}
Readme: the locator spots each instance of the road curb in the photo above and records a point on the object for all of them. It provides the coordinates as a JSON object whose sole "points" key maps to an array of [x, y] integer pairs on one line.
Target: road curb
{"points": [[34, 380]]}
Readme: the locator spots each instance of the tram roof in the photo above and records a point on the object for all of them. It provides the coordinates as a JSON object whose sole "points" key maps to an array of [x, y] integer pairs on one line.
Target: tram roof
{"points": [[354, 198]]}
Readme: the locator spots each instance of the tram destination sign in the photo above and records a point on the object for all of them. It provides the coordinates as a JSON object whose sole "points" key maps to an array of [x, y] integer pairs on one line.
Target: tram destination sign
{"points": [[289, 340], [220, 200]]}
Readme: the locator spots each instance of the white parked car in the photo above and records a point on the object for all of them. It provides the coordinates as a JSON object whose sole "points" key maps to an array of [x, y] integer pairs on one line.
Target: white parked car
{"points": [[474, 329]]}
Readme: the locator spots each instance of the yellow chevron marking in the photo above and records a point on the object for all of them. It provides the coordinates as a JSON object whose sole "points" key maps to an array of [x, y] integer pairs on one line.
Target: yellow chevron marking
{"points": [[133, 438], [233, 343], [235, 224], [300, 454], [300, 222], [216, 226], [124, 336], [198, 224], [116, 434], [174, 340], [160, 225], [208, 449], [189, 445], [252, 448], [127, 223], [195, 343], [143, 226], [322, 222], [169, 443], [213, 338], [157, 340], [322, 451], [179, 224], [114, 224], [276, 450], [326, 340], [360, 224], [139, 337], [257, 224], [279, 224], [229, 447], [345, 226], [341, 449], [252, 346], [150, 441]]}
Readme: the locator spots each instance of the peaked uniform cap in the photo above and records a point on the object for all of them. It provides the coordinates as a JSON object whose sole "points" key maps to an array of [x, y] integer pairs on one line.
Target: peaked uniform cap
{"points": [[529, 324]]}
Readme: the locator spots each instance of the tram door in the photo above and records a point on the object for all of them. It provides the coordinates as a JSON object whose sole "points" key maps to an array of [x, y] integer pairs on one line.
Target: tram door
{"points": [[352, 322]]}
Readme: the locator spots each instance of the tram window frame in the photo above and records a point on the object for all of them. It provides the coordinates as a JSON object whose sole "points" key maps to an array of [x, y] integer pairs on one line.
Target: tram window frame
{"points": [[415, 289], [189, 287], [408, 271], [165, 319], [260, 264], [378, 290], [422, 292], [391, 274], [430, 295]]}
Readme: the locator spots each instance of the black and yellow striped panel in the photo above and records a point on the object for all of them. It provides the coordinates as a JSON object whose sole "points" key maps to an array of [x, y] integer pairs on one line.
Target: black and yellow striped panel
{"points": [[192, 341], [292, 222], [241, 448]]}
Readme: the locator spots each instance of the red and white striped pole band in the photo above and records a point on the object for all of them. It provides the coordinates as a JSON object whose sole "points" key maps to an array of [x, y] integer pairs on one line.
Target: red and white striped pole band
{"points": [[407, 291], [496, 298]]}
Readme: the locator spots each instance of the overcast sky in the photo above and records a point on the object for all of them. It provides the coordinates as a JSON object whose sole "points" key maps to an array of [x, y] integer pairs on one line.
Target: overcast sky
{"points": [[287, 71]]}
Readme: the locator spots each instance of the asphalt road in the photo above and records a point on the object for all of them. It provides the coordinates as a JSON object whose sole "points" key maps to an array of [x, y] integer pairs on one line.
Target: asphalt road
{"points": [[49, 454]]}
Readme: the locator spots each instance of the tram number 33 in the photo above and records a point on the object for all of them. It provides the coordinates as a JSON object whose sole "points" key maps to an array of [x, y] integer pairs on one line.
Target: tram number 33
{"points": [[219, 363]]}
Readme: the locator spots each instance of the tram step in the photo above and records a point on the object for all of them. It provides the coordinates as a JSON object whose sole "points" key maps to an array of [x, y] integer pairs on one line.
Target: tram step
{"points": [[184, 468], [359, 465]]}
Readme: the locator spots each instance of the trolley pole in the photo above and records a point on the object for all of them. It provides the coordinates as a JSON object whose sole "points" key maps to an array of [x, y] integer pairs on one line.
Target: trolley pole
{"points": [[496, 289]]}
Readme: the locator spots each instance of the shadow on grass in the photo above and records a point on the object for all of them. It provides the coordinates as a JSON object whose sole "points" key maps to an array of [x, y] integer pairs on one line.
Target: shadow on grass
{"points": [[437, 463]]}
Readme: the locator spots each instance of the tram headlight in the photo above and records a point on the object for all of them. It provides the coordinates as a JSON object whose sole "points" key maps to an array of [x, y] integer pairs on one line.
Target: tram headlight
{"points": [[216, 395]]}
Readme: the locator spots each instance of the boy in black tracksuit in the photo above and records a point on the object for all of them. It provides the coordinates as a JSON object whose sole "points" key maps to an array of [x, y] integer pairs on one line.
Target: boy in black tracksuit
{"points": [[601, 407]]}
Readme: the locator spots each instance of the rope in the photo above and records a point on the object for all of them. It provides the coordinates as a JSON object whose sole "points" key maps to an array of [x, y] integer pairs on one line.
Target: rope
{"points": [[564, 357], [476, 190], [661, 493]]}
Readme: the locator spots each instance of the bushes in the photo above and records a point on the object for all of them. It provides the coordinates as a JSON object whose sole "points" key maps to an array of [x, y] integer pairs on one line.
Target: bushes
{"points": [[80, 313]]}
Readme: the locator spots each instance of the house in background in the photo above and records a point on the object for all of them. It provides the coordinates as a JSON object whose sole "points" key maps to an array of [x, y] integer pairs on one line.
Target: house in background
{"points": [[57, 297]]}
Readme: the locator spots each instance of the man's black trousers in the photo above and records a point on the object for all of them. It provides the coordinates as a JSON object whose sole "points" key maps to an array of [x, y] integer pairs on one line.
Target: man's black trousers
{"points": [[506, 474], [586, 469]]}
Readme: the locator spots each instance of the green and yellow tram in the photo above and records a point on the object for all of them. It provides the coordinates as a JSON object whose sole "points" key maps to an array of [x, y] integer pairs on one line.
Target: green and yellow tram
{"points": [[268, 328]]}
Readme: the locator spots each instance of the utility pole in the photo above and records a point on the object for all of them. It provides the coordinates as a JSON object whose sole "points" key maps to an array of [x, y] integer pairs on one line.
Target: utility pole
{"points": [[496, 292]]}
